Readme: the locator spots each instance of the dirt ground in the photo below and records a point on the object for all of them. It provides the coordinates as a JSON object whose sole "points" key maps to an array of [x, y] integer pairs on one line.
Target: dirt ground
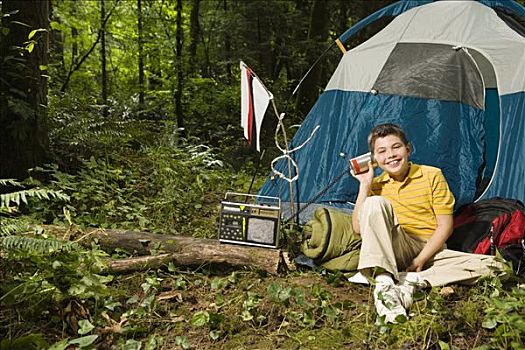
{"points": [[300, 310]]}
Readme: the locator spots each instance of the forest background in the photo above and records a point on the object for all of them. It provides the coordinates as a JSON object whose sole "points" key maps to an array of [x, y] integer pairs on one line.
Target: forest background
{"points": [[125, 114]]}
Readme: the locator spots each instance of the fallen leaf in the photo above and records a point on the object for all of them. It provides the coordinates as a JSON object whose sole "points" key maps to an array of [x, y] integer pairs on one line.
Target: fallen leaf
{"points": [[446, 291]]}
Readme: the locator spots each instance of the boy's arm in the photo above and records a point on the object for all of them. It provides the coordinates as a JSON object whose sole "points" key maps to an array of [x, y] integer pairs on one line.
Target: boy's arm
{"points": [[435, 243]]}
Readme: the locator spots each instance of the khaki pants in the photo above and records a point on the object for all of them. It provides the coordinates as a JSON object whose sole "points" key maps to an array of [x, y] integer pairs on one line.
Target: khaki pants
{"points": [[386, 245]]}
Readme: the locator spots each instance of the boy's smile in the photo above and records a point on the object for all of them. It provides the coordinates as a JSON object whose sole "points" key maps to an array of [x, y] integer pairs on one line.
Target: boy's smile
{"points": [[391, 155]]}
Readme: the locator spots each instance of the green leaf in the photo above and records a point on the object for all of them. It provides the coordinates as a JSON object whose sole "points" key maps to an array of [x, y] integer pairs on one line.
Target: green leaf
{"points": [[85, 327], [30, 47], [200, 319], [183, 342], [246, 315], [32, 33], [217, 283], [285, 294], [273, 290], [443, 345], [132, 344], [214, 335], [153, 342], [31, 341], [489, 323], [84, 341], [111, 304], [61, 345], [42, 67]]}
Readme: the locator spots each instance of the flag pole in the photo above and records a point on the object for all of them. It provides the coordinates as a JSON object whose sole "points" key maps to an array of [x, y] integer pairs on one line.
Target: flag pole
{"points": [[256, 170]]}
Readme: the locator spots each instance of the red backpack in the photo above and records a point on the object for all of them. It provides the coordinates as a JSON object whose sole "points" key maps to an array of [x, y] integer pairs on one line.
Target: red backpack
{"points": [[491, 224]]}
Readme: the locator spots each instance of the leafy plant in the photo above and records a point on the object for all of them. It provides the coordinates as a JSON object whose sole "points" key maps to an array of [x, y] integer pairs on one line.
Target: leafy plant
{"points": [[505, 315], [11, 201]]}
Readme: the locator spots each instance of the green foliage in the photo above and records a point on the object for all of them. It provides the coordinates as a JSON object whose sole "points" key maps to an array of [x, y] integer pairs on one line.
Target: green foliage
{"points": [[38, 271], [35, 245], [163, 189], [14, 199], [505, 315], [19, 197], [27, 342], [10, 203]]}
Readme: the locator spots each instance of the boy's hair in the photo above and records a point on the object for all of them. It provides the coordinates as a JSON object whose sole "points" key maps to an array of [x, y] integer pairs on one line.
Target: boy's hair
{"points": [[383, 130]]}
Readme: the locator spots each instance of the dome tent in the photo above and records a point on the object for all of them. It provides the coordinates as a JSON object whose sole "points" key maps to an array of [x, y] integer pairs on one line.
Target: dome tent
{"points": [[451, 73]]}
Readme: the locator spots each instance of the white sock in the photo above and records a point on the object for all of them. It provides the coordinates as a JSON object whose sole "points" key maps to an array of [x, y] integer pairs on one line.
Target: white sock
{"points": [[412, 277]]}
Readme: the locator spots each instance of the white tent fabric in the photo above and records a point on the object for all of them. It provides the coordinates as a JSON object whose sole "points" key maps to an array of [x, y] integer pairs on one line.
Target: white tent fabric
{"points": [[468, 24]]}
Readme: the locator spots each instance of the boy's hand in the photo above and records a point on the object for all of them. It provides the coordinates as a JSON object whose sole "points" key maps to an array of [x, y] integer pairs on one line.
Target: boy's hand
{"points": [[365, 178], [416, 265]]}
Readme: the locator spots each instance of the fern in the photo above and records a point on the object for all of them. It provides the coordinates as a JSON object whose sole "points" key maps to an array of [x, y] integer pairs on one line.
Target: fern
{"points": [[10, 182], [35, 245], [21, 196], [9, 226]]}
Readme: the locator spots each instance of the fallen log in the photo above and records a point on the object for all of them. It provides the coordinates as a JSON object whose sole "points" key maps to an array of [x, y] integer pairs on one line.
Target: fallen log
{"points": [[183, 251]]}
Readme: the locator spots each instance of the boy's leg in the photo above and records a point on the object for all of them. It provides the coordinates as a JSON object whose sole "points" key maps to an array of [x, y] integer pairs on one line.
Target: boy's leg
{"points": [[385, 247], [384, 244], [450, 266]]}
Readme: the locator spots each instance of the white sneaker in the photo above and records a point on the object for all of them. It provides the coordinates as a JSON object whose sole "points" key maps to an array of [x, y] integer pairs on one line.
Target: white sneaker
{"points": [[388, 302], [358, 278], [408, 283]]}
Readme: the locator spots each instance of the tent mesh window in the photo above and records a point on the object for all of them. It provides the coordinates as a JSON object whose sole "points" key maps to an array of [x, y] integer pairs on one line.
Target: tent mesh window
{"points": [[432, 71]]}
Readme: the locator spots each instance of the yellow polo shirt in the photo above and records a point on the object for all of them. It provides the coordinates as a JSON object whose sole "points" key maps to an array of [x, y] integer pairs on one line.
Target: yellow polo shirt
{"points": [[418, 199]]}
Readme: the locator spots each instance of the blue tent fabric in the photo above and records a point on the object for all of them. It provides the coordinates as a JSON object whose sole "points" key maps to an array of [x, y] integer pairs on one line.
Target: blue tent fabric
{"points": [[492, 125], [506, 4], [508, 180], [444, 134]]}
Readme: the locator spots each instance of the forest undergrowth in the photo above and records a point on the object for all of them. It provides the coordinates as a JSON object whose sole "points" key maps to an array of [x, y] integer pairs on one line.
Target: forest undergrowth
{"points": [[57, 293]]}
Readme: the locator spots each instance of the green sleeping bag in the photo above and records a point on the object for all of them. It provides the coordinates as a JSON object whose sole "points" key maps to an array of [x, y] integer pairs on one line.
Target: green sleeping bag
{"points": [[330, 240]]}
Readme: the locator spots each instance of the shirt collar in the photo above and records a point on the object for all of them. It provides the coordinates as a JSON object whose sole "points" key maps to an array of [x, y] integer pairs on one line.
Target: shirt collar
{"points": [[414, 172]]}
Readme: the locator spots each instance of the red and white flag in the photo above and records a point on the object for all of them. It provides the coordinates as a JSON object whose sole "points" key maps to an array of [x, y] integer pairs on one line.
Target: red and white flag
{"points": [[254, 102]]}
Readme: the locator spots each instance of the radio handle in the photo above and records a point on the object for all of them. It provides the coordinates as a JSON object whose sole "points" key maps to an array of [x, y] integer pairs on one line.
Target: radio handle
{"points": [[255, 196]]}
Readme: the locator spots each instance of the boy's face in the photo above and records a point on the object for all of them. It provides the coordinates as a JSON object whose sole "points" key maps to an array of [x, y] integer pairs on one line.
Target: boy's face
{"points": [[391, 155]]}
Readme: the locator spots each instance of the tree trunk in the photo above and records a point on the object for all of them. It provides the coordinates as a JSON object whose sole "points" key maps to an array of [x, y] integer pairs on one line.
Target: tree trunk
{"points": [[56, 42], [184, 251], [195, 32], [318, 34], [104, 72], [24, 138], [227, 46], [180, 76], [74, 45], [141, 56]]}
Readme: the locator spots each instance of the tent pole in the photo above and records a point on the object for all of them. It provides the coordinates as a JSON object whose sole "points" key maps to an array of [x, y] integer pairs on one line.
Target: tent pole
{"points": [[312, 67], [279, 120]]}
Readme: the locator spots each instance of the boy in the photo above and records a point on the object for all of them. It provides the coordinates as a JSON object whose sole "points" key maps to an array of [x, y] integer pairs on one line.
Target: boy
{"points": [[404, 217]]}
